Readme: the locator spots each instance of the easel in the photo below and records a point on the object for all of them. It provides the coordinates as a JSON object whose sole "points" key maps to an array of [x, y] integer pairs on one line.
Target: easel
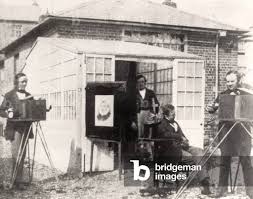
{"points": [[203, 161], [25, 143], [93, 140]]}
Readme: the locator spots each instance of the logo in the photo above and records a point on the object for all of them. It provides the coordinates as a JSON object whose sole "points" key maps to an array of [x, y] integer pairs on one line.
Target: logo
{"points": [[137, 171]]}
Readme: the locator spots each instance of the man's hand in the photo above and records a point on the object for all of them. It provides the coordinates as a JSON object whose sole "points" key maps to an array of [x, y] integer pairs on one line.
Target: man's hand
{"points": [[211, 108], [9, 112], [134, 126], [185, 144]]}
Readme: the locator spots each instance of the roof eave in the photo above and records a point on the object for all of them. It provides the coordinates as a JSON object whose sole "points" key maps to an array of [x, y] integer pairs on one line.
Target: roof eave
{"points": [[202, 29]]}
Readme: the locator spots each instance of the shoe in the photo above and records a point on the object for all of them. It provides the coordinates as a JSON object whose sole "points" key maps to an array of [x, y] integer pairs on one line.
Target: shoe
{"points": [[219, 193], [206, 191], [249, 192], [21, 187], [206, 187], [250, 195]]}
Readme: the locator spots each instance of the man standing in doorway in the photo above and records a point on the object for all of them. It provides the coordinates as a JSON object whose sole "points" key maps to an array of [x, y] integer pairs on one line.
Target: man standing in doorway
{"points": [[147, 103], [237, 142]]}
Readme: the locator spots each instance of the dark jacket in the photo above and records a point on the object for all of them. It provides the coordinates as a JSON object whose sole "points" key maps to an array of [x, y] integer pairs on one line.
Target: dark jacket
{"points": [[146, 103], [171, 146], [238, 142], [11, 101]]}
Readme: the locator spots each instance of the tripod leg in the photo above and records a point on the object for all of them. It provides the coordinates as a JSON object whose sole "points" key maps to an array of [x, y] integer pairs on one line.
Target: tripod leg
{"points": [[20, 154], [29, 163], [246, 130], [34, 150], [44, 144], [236, 175], [13, 177], [230, 178], [194, 173]]}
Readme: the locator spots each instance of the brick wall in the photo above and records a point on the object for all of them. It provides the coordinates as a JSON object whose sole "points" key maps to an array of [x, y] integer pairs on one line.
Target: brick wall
{"points": [[77, 29], [11, 30], [205, 46]]}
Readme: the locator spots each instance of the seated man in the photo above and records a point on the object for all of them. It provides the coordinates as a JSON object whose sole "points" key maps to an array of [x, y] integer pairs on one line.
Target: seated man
{"points": [[169, 128]]}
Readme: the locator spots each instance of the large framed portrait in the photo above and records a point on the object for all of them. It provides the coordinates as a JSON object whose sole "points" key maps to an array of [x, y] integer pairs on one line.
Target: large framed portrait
{"points": [[104, 110]]}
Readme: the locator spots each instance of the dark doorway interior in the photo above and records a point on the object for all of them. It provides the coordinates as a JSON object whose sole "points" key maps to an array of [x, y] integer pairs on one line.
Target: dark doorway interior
{"points": [[126, 71]]}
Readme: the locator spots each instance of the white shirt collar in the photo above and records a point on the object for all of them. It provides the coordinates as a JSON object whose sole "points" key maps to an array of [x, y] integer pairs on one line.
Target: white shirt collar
{"points": [[143, 93], [173, 124]]}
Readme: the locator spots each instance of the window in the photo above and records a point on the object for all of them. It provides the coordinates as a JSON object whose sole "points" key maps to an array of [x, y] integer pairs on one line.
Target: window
{"points": [[241, 47], [55, 101], [16, 30], [162, 39], [60, 93], [159, 79], [99, 69], [69, 105], [69, 83], [189, 90]]}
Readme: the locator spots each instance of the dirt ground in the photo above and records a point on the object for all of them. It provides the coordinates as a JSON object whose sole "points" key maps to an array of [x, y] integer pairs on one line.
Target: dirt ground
{"points": [[98, 185]]}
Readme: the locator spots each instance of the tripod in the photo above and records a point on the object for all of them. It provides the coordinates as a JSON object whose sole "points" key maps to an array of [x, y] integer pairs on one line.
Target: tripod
{"points": [[205, 158], [22, 150]]}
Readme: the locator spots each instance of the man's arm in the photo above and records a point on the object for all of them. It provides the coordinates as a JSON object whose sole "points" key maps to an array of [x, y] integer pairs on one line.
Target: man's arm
{"points": [[153, 96], [4, 107], [212, 108]]}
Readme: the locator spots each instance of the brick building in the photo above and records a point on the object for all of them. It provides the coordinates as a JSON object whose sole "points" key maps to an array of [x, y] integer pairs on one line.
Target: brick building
{"points": [[15, 21], [148, 23]]}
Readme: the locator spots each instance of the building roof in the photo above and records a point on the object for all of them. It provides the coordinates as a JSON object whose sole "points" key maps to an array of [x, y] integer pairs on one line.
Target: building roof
{"points": [[20, 13], [118, 48], [141, 11]]}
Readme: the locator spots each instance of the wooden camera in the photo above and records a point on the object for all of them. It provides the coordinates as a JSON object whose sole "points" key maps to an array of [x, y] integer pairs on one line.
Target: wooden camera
{"points": [[236, 107], [34, 110]]}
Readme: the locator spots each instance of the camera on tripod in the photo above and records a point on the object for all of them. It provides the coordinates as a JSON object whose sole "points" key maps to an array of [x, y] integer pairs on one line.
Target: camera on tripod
{"points": [[32, 110], [236, 107]]}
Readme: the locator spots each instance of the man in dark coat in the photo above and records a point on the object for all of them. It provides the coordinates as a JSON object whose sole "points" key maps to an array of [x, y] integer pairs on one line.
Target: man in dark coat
{"points": [[14, 130], [177, 148], [237, 143], [146, 102]]}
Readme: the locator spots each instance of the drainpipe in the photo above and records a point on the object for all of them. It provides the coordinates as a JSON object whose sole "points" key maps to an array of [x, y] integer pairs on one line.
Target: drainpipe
{"points": [[217, 65], [220, 33]]}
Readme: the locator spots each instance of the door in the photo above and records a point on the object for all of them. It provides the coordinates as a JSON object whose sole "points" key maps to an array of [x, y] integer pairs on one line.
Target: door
{"points": [[188, 98], [97, 68]]}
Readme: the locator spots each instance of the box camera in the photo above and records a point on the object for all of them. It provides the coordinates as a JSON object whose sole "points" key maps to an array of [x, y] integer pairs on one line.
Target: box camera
{"points": [[32, 110], [236, 107]]}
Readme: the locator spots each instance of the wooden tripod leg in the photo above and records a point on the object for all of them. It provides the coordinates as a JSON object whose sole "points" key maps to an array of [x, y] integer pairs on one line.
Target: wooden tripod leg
{"points": [[44, 144], [202, 163], [14, 171], [21, 152], [34, 151], [236, 175]]}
